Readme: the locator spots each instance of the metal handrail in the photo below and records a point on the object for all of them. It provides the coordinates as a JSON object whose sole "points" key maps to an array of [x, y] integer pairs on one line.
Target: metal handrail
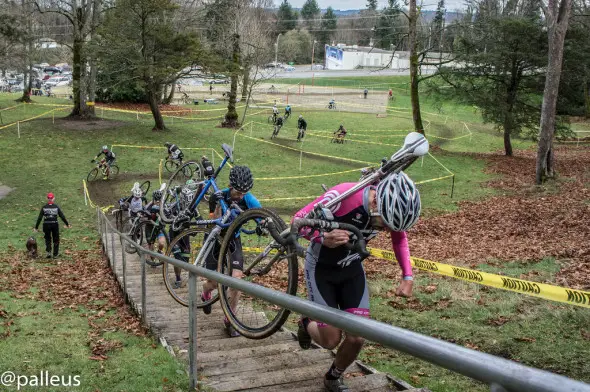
{"points": [[501, 374]]}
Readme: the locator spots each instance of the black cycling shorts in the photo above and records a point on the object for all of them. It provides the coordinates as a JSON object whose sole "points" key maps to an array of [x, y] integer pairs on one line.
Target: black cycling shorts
{"points": [[237, 255], [341, 288]]}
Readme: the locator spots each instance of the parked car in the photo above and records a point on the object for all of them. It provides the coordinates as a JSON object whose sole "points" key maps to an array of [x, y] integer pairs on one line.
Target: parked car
{"points": [[289, 68], [57, 81], [317, 67]]}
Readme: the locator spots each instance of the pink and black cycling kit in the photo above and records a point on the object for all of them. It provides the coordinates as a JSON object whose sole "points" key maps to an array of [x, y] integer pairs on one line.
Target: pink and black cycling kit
{"points": [[335, 276]]}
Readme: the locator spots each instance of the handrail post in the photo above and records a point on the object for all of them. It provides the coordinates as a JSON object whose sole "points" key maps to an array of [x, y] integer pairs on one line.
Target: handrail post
{"points": [[113, 252], [192, 330], [106, 238], [143, 287], [123, 257]]}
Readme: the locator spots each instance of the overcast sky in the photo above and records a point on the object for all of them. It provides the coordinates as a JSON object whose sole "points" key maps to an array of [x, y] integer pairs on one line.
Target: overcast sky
{"points": [[451, 5]]}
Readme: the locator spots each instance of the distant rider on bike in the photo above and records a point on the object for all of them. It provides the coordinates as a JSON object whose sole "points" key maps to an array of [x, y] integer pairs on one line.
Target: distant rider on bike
{"points": [[332, 104], [241, 182], [174, 152], [109, 158], [302, 127], [335, 276], [340, 133]]}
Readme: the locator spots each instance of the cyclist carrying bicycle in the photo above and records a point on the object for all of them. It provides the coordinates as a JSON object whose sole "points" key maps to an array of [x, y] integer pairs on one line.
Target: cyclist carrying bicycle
{"points": [[153, 208], [287, 111], [241, 182], [174, 152], [134, 203], [109, 158], [302, 126], [335, 276]]}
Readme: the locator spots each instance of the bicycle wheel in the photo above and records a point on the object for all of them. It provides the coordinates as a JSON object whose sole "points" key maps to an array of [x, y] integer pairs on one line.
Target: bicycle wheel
{"points": [[113, 171], [253, 317], [135, 234], [145, 187], [171, 166], [270, 119], [179, 178], [185, 247], [154, 238], [92, 175]]}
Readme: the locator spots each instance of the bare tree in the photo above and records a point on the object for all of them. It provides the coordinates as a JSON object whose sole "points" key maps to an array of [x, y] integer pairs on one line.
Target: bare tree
{"points": [[80, 15], [557, 14]]}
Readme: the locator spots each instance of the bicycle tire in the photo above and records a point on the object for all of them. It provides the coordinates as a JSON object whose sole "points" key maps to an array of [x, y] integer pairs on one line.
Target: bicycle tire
{"points": [[92, 175], [145, 187], [180, 294], [177, 179], [135, 236], [113, 171], [245, 319], [148, 226], [271, 119], [171, 166]]}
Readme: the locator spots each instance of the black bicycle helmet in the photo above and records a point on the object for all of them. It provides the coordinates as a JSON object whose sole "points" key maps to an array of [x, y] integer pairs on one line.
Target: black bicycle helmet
{"points": [[240, 178], [157, 194], [167, 144]]}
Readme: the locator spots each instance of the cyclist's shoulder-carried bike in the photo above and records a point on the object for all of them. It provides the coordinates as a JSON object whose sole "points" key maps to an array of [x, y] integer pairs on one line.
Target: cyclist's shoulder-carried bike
{"points": [[196, 239], [271, 250]]}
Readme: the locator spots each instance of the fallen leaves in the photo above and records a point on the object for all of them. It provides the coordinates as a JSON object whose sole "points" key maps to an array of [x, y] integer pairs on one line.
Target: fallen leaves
{"points": [[526, 224], [84, 281]]}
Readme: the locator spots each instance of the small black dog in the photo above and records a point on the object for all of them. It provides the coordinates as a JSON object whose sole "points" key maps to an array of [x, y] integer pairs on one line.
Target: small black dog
{"points": [[32, 247]]}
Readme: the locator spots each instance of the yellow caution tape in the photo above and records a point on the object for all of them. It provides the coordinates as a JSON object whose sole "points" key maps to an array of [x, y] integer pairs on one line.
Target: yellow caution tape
{"points": [[534, 289], [306, 152], [160, 170], [434, 179], [87, 194], [353, 140], [90, 103], [11, 107], [29, 119], [308, 176]]}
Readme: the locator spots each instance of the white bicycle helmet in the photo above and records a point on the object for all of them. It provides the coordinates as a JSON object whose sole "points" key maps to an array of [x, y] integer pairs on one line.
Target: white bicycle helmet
{"points": [[398, 202], [137, 192]]}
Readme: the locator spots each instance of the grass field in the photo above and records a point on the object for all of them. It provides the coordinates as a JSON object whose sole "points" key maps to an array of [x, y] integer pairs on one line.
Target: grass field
{"points": [[55, 157]]}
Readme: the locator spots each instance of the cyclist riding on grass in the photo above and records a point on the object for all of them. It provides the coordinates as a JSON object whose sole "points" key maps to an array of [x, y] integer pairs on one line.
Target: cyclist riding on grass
{"points": [[287, 111], [275, 112], [302, 127], [340, 133], [174, 152], [332, 104], [241, 182], [109, 158], [334, 274]]}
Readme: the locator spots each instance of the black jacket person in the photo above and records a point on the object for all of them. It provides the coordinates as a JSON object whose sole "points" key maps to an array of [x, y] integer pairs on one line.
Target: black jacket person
{"points": [[49, 213]]}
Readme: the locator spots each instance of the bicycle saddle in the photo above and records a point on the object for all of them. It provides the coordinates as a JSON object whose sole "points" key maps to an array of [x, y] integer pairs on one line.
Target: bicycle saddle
{"points": [[228, 152]]}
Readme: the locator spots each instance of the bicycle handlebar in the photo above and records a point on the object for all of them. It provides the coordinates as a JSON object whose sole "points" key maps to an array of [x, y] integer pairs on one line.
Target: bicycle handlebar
{"points": [[359, 245]]}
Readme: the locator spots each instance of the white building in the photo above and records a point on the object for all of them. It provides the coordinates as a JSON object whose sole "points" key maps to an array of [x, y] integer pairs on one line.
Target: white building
{"points": [[344, 57]]}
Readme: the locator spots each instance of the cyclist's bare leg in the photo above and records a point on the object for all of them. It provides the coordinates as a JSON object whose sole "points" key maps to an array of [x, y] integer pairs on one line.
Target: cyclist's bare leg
{"points": [[161, 243], [233, 294], [329, 337]]}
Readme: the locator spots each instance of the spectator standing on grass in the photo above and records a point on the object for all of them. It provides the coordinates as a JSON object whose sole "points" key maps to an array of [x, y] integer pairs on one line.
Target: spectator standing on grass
{"points": [[366, 92], [390, 94], [210, 89], [49, 213]]}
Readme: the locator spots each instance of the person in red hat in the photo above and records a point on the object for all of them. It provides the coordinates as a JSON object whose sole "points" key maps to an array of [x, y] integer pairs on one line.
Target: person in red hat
{"points": [[49, 213]]}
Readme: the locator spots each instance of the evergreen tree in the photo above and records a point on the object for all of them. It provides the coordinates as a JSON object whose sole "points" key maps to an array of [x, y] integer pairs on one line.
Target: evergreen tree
{"points": [[286, 17], [372, 5], [309, 12]]}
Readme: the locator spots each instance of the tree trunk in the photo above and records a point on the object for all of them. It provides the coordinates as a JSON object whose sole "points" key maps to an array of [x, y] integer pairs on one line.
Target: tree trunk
{"points": [[96, 12], [557, 16], [231, 117], [416, 115], [245, 82], [169, 96], [80, 109], [507, 132], [587, 98], [152, 95]]}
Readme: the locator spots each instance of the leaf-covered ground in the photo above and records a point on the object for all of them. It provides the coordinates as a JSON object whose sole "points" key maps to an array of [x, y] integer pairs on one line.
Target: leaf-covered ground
{"points": [[524, 223]]}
